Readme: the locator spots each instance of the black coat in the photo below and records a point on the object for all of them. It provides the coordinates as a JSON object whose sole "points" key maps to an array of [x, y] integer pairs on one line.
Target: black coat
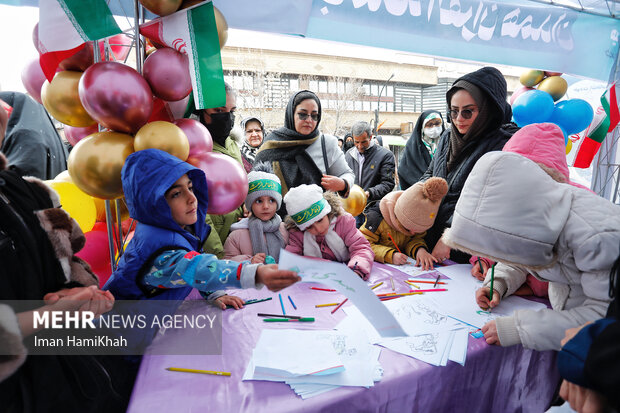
{"points": [[377, 171]]}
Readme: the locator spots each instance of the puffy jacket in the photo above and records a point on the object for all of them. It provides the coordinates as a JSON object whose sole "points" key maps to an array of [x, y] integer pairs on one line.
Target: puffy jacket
{"points": [[377, 171]]}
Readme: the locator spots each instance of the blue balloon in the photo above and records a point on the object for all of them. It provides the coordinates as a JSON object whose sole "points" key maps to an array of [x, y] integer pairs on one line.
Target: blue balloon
{"points": [[533, 106], [573, 115]]}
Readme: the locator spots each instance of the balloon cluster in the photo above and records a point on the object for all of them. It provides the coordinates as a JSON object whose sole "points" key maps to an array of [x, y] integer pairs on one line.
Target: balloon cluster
{"points": [[543, 103]]}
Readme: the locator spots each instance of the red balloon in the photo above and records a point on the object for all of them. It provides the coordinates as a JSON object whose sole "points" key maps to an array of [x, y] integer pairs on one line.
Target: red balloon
{"points": [[74, 134], [80, 61], [96, 252], [33, 79], [167, 71], [553, 73], [518, 92], [120, 45], [168, 111], [227, 181], [197, 134], [116, 96]]}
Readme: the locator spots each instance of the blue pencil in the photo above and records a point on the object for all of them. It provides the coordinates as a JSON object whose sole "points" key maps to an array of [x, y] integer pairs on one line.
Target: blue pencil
{"points": [[282, 304], [291, 300]]}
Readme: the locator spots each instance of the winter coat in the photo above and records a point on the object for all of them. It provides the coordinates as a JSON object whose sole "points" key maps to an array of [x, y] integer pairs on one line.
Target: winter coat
{"points": [[360, 252], [513, 212], [377, 171], [238, 245], [377, 231]]}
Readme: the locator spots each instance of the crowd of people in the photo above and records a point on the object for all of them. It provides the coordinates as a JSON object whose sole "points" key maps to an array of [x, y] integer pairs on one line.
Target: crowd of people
{"points": [[477, 190]]}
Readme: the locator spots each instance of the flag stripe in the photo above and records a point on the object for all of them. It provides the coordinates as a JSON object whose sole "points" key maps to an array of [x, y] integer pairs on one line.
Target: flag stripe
{"points": [[92, 19], [586, 152]]}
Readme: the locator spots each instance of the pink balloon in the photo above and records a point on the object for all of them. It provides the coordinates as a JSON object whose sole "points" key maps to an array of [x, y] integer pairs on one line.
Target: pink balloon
{"points": [[74, 134], [167, 71], [518, 92], [33, 79], [197, 134], [553, 73], [35, 37], [116, 96], [178, 108], [227, 182]]}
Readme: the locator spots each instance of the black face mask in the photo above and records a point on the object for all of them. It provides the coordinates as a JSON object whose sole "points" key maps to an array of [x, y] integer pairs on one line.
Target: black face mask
{"points": [[220, 126], [348, 145]]}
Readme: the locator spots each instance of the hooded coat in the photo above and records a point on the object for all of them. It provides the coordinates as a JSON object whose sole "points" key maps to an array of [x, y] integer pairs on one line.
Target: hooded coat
{"points": [[513, 212], [415, 158], [491, 138]]}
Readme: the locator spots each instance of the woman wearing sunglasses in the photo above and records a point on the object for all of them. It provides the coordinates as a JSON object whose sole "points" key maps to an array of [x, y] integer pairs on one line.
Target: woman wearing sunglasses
{"points": [[301, 154], [479, 117]]}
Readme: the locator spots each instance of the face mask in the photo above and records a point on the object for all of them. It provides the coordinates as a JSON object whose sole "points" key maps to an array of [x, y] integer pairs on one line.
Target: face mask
{"points": [[221, 125], [432, 133]]}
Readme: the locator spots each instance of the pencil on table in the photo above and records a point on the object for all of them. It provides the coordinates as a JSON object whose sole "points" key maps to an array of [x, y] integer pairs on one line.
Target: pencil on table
{"points": [[339, 305]]}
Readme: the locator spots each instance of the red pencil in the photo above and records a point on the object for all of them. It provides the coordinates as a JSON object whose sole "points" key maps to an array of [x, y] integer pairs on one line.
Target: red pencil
{"points": [[392, 239], [426, 282], [339, 305], [428, 291], [321, 289]]}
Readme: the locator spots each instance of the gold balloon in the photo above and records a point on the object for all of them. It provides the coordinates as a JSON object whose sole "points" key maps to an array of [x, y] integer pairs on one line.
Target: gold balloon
{"points": [[165, 136], [530, 78], [222, 26], [63, 177], [96, 161], [556, 86], [355, 203], [569, 146], [62, 101], [100, 206], [161, 7]]}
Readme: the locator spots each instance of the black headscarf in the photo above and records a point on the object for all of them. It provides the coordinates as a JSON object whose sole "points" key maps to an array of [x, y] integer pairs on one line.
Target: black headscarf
{"points": [[285, 148], [415, 158]]}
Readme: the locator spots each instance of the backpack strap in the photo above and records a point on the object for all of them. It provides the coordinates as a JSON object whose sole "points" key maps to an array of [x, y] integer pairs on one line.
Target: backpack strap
{"points": [[324, 154]]}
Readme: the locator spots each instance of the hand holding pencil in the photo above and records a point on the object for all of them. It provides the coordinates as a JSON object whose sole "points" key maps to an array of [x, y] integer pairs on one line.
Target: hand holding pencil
{"points": [[483, 298]]}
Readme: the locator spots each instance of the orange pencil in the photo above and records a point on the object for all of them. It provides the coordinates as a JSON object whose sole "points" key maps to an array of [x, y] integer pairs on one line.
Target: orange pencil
{"points": [[339, 305], [392, 239]]}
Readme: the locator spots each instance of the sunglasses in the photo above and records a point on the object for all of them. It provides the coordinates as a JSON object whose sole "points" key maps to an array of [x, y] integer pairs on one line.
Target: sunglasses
{"points": [[304, 116], [465, 113]]}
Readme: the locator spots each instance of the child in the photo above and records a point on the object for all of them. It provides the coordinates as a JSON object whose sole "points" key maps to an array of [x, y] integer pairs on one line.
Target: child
{"points": [[169, 199], [262, 234], [319, 227], [398, 230]]}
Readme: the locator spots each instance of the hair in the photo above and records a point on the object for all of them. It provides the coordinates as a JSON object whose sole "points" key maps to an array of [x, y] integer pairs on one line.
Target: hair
{"points": [[334, 202], [360, 127], [553, 173]]}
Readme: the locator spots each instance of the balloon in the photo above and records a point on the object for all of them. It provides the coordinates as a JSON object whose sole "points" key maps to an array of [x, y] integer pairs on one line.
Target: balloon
{"points": [[62, 101], [222, 26], [80, 61], [531, 77], [569, 146], [161, 7], [63, 177], [518, 92], [168, 111], [573, 115], [120, 45], [556, 86], [100, 207], [162, 135], [116, 96], [33, 79], [79, 205], [197, 134], [533, 106], [227, 181], [95, 163], [35, 37], [355, 203], [553, 73], [73, 135], [167, 72], [96, 252]]}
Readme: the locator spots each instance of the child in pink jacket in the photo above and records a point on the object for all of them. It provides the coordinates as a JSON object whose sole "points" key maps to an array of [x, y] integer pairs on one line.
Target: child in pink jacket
{"points": [[319, 227], [543, 143], [260, 237]]}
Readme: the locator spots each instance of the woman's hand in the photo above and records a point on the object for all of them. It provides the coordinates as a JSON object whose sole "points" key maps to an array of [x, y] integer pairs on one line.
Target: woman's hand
{"points": [[333, 183], [441, 251], [424, 259], [581, 399], [231, 300]]}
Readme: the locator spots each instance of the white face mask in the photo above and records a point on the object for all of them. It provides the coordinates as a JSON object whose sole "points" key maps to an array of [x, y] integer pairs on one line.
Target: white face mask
{"points": [[432, 133]]}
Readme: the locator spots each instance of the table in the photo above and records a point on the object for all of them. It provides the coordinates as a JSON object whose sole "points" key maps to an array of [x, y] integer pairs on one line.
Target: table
{"points": [[494, 379]]}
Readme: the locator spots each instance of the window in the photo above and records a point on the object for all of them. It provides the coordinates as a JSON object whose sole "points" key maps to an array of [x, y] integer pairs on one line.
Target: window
{"points": [[314, 85]]}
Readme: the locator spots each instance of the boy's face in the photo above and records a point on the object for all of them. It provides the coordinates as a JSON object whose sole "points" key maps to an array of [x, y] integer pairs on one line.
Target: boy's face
{"points": [[182, 201], [264, 208], [320, 227]]}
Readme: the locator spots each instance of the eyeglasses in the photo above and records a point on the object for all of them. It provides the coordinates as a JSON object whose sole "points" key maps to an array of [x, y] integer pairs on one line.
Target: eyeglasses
{"points": [[304, 116], [465, 113]]}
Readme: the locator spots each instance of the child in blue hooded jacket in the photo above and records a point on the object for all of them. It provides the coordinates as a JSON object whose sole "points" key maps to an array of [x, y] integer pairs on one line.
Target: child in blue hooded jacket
{"points": [[168, 197]]}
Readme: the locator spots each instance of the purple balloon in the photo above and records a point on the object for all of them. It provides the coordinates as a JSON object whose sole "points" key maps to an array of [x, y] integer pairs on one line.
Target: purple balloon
{"points": [[33, 79], [74, 134], [227, 181], [116, 96], [197, 134], [167, 71]]}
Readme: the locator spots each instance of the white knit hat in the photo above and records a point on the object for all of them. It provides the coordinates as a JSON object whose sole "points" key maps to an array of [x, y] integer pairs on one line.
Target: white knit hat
{"points": [[306, 205], [263, 184]]}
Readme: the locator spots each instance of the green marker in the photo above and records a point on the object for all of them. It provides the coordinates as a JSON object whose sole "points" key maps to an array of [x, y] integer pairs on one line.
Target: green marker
{"points": [[492, 278], [276, 320]]}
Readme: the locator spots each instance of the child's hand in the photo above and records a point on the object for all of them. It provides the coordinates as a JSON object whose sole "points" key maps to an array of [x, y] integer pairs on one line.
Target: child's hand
{"points": [[231, 300], [259, 258], [475, 270], [490, 332], [275, 279], [424, 259], [482, 298], [399, 258]]}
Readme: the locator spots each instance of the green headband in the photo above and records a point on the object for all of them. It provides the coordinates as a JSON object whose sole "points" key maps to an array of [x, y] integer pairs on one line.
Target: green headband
{"points": [[264, 185], [312, 211]]}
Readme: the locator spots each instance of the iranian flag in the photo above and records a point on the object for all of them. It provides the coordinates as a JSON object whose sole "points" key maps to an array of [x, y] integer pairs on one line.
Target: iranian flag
{"points": [[609, 100], [590, 141], [66, 25], [193, 31]]}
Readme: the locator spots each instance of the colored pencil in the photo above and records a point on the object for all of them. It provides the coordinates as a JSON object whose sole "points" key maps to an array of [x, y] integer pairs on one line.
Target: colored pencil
{"points": [[277, 315], [410, 283], [339, 305], [389, 298], [428, 291], [282, 320], [257, 300], [215, 373], [436, 281], [282, 304], [392, 294], [492, 279], [321, 289], [376, 285], [292, 303], [480, 265], [392, 281], [425, 282], [392, 239], [326, 305]]}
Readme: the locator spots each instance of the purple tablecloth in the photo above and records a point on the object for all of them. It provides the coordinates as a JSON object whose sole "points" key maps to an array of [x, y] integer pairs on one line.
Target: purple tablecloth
{"points": [[494, 379]]}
